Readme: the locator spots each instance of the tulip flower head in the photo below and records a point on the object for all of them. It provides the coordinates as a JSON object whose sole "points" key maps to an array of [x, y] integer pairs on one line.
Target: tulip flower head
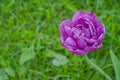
{"points": [[83, 34]]}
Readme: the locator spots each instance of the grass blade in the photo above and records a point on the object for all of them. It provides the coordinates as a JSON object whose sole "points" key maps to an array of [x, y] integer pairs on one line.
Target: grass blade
{"points": [[116, 64], [97, 68]]}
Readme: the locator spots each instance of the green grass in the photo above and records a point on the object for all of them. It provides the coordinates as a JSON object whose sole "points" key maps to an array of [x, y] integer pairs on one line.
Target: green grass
{"points": [[30, 40]]}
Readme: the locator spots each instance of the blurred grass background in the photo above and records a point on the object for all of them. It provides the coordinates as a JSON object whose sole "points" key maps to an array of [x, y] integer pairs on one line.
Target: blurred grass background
{"points": [[30, 47]]}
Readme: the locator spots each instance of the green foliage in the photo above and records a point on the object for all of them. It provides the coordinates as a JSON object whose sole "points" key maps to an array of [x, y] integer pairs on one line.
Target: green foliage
{"points": [[10, 72], [116, 64], [30, 47], [59, 60], [26, 55]]}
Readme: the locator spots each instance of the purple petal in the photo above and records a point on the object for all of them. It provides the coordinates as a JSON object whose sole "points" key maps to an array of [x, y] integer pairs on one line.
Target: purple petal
{"points": [[78, 15], [67, 23], [84, 23], [65, 29], [80, 42], [77, 51], [100, 29], [90, 16], [100, 32], [70, 41], [89, 41], [93, 18], [91, 27], [90, 49], [99, 46], [80, 23], [86, 31], [101, 37], [68, 46], [75, 31]]}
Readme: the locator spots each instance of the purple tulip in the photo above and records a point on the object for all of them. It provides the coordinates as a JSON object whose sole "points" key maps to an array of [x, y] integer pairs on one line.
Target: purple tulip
{"points": [[82, 35]]}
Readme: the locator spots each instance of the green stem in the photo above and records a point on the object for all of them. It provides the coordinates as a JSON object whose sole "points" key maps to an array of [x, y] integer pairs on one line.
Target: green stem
{"points": [[97, 68]]}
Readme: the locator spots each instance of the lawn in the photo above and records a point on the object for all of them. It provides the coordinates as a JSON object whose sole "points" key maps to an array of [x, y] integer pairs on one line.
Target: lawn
{"points": [[30, 47]]}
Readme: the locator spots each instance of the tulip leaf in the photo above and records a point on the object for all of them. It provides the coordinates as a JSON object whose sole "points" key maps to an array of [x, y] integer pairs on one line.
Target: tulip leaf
{"points": [[3, 75], [26, 55], [59, 60], [116, 65], [10, 72]]}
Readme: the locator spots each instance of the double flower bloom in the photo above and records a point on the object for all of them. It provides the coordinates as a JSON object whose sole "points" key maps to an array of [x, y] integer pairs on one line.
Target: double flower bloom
{"points": [[82, 35]]}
